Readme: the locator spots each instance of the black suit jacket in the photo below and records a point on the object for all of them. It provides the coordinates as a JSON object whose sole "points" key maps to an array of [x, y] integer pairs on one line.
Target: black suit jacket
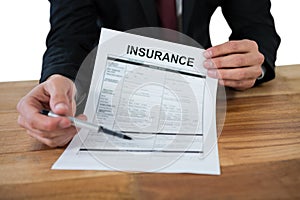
{"points": [[75, 27]]}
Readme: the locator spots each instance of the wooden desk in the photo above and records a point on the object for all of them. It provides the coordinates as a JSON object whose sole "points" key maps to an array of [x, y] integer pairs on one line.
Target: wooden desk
{"points": [[259, 153]]}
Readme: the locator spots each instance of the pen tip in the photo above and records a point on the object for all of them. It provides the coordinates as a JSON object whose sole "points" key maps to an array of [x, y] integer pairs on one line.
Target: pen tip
{"points": [[127, 137]]}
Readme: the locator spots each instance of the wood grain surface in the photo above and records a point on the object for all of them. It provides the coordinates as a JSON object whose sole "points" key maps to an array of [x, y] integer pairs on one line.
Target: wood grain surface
{"points": [[259, 154]]}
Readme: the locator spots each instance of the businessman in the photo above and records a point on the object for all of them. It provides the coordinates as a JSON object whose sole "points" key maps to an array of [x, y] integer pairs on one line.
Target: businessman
{"points": [[243, 62]]}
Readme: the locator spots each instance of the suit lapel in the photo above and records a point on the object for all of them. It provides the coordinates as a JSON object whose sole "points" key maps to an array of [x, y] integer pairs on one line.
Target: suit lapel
{"points": [[187, 11], [149, 9]]}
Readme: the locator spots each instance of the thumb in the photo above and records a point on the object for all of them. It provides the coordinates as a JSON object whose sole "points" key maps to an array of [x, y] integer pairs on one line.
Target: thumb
{"points": [[60, 108], [60, 102], [61, 92]]}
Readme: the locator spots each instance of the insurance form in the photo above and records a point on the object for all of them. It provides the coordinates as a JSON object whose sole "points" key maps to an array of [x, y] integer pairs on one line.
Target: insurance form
{"points": [[155, 92]]}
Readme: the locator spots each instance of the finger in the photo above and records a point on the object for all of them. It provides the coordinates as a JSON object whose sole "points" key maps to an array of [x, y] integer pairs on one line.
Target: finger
{"points": [[71, 131], [61, 141], [235, 60], [238, 85], [45, 123], [62, 138], [51, 138], [29, 108], [61, 98], [25, 125], [82, 117], [34, 101], [52, 142], [240, 46], [45, 132], [236, 74]]}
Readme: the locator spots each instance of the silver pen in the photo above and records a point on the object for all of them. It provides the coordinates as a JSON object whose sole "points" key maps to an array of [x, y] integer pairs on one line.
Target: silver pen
{"points": [[84, 124]]}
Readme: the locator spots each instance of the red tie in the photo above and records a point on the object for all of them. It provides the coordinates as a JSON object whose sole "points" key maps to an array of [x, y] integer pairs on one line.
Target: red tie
{"points": [[167, 13]]}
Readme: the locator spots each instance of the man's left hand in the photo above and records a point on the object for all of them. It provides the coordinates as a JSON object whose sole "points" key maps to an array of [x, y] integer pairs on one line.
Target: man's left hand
{"points": [[236, 64]]}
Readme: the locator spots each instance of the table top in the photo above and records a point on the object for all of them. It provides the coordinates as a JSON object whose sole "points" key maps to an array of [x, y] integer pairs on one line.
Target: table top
{"points": [[259, 152]]}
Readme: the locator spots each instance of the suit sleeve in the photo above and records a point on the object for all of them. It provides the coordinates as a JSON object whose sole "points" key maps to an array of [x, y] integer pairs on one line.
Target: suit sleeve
{"points": [[74, 33], [251, 19]]}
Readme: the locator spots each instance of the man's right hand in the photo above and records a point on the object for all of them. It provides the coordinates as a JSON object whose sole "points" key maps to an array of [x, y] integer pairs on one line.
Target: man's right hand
{"points": [[56, 94]]}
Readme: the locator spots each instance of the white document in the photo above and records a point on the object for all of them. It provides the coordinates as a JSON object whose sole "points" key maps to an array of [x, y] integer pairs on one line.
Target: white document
{"points": [[156, 92]]}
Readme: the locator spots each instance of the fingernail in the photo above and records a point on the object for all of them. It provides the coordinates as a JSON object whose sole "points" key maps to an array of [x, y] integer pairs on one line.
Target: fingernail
{"points": [[82, 117], [207, 54], [64, 124], [208, 64], [212, 73], [61, 106]]}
